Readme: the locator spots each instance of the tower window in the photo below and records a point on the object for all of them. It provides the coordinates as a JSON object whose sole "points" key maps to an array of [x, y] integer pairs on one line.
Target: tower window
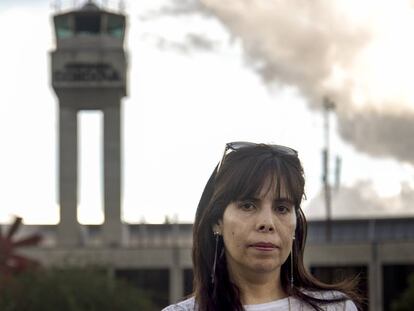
{"points": [[88, 24], [62, 25], [116, 26]]}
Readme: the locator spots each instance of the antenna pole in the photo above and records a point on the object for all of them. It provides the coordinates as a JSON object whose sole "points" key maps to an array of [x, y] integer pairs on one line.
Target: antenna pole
{"points": [[328, 105], [121, 5], [56, 5]]}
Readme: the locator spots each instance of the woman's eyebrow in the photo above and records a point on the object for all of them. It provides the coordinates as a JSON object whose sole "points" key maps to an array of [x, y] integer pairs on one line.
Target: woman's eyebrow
{"points": [[284, 200], [278, 200], [250, 199], [253, 199]]}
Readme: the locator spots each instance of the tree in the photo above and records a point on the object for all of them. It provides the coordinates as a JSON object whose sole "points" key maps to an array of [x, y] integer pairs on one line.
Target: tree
{"points": [[406, 301], [71, 289], [10, 261]]}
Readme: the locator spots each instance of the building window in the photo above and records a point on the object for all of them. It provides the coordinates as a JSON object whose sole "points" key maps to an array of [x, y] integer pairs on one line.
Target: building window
{"points": [[188, 281], [395, 281]]}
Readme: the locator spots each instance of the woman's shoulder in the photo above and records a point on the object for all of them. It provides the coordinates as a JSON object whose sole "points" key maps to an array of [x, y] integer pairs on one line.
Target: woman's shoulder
{"points": [[346, 305], [324, 294], [185, 305]]}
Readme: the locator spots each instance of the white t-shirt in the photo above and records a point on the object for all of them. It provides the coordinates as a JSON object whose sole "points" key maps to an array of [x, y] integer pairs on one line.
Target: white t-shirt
{"points": [[278, 305]]}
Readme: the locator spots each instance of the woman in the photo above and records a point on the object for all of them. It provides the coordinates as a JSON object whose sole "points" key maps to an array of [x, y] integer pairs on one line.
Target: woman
{"points": [[249, 238]]}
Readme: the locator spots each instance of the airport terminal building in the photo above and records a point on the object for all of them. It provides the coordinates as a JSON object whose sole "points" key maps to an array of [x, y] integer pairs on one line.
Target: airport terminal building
{"points": [[158, 256]]}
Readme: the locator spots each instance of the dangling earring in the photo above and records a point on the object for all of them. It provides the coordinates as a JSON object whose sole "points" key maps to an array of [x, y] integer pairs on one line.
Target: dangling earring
{"points": [[291, 264], [213, 271]]}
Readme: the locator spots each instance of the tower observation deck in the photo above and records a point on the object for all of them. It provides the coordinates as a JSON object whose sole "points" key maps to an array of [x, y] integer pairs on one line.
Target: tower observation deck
{"points": [[89, 73]]}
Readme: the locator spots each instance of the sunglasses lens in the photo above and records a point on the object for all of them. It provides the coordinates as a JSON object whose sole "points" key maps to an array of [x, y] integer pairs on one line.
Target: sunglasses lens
{"points": [[284, 149], [237, 145], [277, 148]]}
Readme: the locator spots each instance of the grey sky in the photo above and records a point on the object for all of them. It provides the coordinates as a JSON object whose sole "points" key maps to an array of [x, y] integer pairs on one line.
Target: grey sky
{"points": [[181, 109]]}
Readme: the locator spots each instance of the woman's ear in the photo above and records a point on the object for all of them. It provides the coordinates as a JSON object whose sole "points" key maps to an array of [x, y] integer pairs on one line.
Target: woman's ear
{"points": [[217, 228]]}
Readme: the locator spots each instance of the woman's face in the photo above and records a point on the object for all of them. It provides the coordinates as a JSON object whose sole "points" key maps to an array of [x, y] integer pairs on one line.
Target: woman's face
{"points": [[258, 233]]}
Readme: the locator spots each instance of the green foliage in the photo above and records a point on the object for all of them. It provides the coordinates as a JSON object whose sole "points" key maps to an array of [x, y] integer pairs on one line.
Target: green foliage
{"points": [[406, 301], [71, 289]]}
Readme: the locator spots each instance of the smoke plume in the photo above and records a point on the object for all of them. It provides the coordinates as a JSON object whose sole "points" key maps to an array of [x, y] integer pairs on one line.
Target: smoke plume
{"points": [[362, 201], [356, 53]]}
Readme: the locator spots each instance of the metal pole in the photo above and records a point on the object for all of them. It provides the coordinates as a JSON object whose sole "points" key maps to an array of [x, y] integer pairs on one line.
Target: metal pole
{"points": [[328, 105]]}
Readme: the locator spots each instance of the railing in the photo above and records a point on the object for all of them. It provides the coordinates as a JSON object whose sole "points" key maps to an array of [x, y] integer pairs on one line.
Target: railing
{"points": [[180, 235], [59, 6]]}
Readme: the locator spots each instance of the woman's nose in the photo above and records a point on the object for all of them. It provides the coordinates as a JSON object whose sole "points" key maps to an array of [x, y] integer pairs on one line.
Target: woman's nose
{"points": [[266, 228], [265, 221]]}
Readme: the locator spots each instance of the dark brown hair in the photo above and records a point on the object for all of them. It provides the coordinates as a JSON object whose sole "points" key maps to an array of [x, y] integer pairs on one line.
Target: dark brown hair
{"points": [[242, 175]]}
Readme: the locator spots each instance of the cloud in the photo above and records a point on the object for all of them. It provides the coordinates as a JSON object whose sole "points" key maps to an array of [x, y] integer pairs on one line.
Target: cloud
{"points": [[183, 7], [175, 8], [193, 43], [201, 42]]}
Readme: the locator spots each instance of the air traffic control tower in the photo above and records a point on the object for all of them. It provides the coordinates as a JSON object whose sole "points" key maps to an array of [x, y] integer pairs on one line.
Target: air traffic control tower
{"points": [[89, 73]]}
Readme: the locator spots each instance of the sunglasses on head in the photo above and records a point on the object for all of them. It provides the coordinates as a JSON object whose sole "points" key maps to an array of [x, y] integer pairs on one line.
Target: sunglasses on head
{"points": [[237, 145]]}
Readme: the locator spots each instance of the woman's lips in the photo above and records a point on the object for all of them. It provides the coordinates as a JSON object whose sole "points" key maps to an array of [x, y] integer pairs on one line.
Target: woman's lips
{"points": [[264, 246]]}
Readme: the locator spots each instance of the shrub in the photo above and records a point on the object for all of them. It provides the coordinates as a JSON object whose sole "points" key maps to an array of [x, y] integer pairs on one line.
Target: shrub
{"points": [[406, 301], [71, 289]]}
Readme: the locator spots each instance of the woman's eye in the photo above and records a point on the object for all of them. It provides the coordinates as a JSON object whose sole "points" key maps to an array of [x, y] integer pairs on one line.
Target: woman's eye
{"points": [[282, 209], [248, 206]]}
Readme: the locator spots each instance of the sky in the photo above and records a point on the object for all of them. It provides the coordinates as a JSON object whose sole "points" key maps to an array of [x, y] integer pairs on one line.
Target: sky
{"points": [[203, 73]]}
